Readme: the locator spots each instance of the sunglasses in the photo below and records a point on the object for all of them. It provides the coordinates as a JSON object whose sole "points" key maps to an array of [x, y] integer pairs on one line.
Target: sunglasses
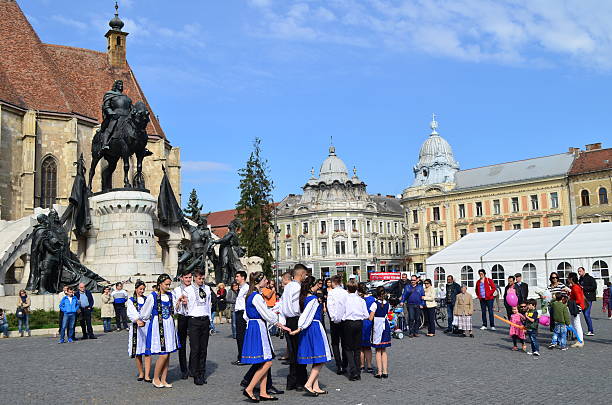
{"points": [[554, 278]]}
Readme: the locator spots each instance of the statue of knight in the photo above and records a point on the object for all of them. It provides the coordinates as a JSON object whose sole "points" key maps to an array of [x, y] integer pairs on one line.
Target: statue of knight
{"points": [[200, 248]]}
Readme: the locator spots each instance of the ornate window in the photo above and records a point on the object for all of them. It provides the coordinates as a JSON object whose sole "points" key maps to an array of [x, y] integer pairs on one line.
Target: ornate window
{"points": [[530, 274], [439, 276], [48, 182], [584, 198], [563, 269], [498, 275], [467, 276], [601, 270], [603, 195]]}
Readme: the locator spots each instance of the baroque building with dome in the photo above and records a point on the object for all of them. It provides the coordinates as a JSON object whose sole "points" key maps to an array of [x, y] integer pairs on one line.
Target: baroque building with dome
{"points": [[445, 203], [336, 227]]}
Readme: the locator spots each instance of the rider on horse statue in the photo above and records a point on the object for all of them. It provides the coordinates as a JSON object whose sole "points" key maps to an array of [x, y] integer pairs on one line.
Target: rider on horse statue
{"points": [[116, 107]]}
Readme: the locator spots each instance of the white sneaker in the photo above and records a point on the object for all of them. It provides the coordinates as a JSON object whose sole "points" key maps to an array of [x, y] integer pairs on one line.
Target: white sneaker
{"points": [[483, 328], [536, 353], [529, 353], [590, 334], [492, 327]]}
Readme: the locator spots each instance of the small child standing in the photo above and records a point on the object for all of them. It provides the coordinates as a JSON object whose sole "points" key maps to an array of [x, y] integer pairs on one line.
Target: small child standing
{"points": [[561, 317], [69, 305], [517, 333], [531, 326]]}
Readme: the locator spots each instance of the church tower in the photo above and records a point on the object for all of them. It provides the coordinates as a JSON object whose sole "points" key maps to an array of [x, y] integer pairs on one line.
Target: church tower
{"points": [[116, 42]]}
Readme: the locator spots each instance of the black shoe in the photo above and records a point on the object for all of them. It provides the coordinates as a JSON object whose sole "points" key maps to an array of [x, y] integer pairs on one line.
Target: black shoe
{"points": [[268, 398], [340, 371], [274, 391], [448, 330], [300, 388], [85, 337], [354, 378], [199, 381], [140, 379], [252, 399], [244, 383], [385, 376], [92, 337], [238, 363], [377, 375], [309, 393], [184, 375]]}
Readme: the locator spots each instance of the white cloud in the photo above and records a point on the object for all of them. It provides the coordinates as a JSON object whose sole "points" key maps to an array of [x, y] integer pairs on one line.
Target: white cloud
{"points": [[503, 31], [69, 22], [204, 166]]}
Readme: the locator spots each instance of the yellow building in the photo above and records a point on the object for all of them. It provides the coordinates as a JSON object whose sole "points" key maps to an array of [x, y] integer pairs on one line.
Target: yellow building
{"points": [[590, 182], [445, 203], [50, 108]]}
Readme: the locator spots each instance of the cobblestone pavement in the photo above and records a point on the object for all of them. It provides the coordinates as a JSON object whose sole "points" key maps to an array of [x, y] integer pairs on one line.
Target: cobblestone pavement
{"points": [[439, 370]]}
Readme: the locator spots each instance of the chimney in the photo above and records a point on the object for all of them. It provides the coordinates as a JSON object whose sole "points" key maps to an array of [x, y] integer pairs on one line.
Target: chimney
{"points": [[573, 150], [593, 146]]}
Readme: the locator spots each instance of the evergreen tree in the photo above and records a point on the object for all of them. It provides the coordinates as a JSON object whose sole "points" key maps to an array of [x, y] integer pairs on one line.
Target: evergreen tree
{"points": [[194, 208], [255, 207]]}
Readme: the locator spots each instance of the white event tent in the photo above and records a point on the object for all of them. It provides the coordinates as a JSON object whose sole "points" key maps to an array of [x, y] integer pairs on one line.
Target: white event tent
{"points": [[534, 253]]}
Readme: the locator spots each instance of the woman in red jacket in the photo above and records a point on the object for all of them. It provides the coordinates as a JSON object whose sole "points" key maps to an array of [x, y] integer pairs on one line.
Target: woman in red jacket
{"points": [[485, 290], [576, 296]]}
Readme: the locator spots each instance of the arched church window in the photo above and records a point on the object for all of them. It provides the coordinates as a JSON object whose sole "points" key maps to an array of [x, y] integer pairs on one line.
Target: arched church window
{"points": [[425, 172], [48, 183]]}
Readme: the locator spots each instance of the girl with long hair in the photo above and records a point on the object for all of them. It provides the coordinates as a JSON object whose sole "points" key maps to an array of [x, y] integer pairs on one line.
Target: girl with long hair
{"points": [[257, 347], [381, 332], [313, 347], [366, 330], [576, 305], [161, 334], [138, 337]]}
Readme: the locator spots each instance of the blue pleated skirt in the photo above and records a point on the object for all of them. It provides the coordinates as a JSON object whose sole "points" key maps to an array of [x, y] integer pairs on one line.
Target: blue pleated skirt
{"points": [[257, 347], [313, 347], [366, 333]]}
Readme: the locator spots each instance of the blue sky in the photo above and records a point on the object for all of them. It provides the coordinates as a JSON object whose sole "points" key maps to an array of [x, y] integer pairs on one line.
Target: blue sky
{"points": [[508, 80]]}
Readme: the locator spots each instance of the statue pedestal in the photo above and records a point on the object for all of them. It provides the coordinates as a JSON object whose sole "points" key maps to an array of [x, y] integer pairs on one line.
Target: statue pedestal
{"points": [[122, 242]]}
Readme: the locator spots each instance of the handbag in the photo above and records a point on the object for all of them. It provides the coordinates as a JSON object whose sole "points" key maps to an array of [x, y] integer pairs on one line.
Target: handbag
{"points": [[574, 309], [19, 312]]}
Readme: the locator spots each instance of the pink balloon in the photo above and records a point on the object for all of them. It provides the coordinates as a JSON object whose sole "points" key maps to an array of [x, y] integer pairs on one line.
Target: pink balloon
{"points": [[544, 320], [512, 300]]}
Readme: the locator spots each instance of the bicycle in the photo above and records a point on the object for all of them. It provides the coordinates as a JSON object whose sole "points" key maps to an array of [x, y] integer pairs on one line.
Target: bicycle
{"points": [[441, 315]]}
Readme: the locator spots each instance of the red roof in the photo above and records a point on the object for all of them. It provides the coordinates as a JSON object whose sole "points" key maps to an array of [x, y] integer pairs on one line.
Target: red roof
{"points": [[57, 78], [219, 221], [592, 161]]}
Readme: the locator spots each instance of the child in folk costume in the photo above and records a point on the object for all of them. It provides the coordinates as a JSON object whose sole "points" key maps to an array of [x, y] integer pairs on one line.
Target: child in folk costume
{"points": [[381, 331], [257, 347], [313, 347], [138, 336], [161, 335], [366, 331]]}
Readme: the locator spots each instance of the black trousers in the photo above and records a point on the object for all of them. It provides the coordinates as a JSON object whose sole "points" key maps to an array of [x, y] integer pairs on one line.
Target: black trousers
{"points": [[297, 376], [337, 339], [85, 319], [352, 345], [240, 331], [199, 332], [431, 320], [121, 316], [182, 330]]}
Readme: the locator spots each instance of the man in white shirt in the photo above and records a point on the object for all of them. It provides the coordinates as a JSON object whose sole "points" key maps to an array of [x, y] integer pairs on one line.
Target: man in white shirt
{"points": [[354, 314], [241, 279], [198, 314], [181, 302], [336, 306], [290, 309]]}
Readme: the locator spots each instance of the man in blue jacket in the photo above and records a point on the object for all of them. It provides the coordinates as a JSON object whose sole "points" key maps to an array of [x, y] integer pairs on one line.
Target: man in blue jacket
{"points": [[69, 306], [413, 297], [86, 303]]}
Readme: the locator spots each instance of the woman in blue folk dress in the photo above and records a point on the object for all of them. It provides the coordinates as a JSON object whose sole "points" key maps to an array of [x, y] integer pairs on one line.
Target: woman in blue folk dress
{"points": [[366, 330], [161, 337], [257, 347], [381, 332], [313, 347], [137, 339]]}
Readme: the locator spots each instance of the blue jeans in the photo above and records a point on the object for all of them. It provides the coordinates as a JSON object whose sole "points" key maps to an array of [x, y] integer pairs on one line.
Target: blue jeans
{"points": [[449, 315], [587, 316], [560, 335], [68, 325], [487, 305], [414, 318], [212, 321], [107, 324], [4, 329], [24, 323], [532, 335]]}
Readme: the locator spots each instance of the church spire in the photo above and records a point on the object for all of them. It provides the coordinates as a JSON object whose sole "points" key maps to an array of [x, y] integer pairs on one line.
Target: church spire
{"points": [[116, 41]]}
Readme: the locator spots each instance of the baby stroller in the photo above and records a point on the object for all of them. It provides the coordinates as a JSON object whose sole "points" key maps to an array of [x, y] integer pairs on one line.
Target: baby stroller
{"points": [[396, 320]]}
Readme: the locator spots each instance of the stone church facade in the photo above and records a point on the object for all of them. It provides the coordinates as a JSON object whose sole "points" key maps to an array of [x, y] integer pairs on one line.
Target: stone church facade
{"points": [[50, 108]]}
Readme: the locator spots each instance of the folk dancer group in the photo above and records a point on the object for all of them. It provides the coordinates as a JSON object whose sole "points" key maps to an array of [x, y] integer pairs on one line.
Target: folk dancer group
{"points": [[358, 323]]}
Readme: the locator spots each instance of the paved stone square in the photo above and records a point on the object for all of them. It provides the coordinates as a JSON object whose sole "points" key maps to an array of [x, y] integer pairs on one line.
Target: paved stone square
{"points": [[440, 370]]}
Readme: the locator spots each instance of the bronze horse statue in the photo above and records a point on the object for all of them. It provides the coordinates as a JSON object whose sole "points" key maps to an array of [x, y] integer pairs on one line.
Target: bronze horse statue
{"points": [[129, 138]]}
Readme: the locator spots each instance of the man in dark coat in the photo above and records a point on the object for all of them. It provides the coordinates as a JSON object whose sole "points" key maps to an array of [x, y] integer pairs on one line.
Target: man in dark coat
{"points": [[522, 290], [452, 290], [589, 287]]}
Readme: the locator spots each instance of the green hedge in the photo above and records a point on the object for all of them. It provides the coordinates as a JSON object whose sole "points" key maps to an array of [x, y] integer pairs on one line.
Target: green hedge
{"points": [[41, 319]]}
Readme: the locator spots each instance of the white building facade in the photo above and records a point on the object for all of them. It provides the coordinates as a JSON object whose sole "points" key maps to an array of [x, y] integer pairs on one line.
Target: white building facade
{"points": [[336, 227]]}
